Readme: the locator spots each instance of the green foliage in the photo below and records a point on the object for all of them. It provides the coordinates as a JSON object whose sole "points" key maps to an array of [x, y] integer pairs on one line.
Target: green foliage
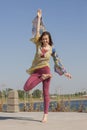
{"points": [[21, 94], [36, 93], [0, 94]]}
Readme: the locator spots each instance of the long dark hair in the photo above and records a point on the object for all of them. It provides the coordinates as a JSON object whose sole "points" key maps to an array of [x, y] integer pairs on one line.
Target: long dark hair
{"points": [[50, 39]]}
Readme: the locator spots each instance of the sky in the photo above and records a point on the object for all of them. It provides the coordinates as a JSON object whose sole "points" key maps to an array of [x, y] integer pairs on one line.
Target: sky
{"points": [[66, 20]]}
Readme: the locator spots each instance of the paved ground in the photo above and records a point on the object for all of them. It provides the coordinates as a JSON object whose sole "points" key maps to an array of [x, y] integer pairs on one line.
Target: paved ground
{"points": [[31, 121]]}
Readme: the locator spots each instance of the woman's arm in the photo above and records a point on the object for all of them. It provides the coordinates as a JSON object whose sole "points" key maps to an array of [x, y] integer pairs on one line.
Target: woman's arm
{"points": [[39, 15], [58, 66], [37, 22]]}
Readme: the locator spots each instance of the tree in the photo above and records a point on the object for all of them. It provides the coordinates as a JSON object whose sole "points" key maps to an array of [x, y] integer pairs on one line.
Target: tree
{"points": [[21, 94], [36, 93]]}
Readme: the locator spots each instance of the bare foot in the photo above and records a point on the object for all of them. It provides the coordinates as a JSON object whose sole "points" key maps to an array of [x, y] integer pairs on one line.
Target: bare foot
{"points": [[46, 76], [44, 120]]}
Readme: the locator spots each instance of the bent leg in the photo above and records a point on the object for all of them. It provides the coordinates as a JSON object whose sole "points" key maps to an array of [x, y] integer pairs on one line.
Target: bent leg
{"points": [[32, 81]]}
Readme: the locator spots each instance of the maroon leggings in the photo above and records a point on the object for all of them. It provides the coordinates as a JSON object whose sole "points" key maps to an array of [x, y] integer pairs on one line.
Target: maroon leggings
{"points": [[35, 79]]}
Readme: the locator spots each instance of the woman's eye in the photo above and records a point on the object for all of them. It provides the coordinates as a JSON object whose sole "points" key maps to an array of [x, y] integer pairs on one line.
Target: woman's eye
{"points": [[44, 39]]}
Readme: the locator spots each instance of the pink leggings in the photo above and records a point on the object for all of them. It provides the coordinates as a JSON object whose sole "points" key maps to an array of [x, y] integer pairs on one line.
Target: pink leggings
{"points": [[35, 79]]}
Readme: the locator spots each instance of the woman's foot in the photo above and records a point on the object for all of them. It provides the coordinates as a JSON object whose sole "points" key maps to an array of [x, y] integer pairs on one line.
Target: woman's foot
{"points": [[46, 76], [44, 120]]}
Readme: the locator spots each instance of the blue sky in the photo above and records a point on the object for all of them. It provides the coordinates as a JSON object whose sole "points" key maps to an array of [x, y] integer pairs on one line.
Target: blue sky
{"points": [[66, 20]]}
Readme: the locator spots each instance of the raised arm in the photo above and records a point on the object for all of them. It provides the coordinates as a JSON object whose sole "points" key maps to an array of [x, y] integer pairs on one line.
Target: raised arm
{"points": [[39, 15], [37, 26]]}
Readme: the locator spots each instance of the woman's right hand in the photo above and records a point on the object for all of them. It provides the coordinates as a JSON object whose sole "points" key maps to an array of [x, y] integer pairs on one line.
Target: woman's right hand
{"points": [[39, 13], [68, 75]]}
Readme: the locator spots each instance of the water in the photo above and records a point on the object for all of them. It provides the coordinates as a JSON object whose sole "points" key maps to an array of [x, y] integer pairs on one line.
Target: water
{"points": [[75, 105]]}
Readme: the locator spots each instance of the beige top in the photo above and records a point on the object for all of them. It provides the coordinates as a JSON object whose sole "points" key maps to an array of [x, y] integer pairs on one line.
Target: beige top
{"points": [[42, 57]]}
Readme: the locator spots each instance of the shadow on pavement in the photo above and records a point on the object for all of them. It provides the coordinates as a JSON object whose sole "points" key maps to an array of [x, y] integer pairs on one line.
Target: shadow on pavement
{"points": [[18, 118]]}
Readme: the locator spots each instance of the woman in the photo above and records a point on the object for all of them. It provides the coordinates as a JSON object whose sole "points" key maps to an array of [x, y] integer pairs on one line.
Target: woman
{"points": [[40, 69]]}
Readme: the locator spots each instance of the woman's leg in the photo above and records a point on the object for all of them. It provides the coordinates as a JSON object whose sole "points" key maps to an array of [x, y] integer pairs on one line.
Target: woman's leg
{"points": [[46, 84], [32, 81]]}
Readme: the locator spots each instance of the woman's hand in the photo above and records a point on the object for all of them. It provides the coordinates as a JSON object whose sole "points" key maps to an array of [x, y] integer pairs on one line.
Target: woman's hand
{"points": [[39, 13], [68, 75]]}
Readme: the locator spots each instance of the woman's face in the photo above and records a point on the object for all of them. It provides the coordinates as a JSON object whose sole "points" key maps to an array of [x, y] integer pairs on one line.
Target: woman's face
{"points": [[45, 40]]}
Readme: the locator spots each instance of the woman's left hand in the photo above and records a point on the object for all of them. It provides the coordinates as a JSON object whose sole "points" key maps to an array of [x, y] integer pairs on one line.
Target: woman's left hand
{"points": [[68, 75]]}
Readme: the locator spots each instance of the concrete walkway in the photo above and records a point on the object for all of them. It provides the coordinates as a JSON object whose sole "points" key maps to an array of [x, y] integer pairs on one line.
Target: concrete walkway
{"points": [[32, 121]]}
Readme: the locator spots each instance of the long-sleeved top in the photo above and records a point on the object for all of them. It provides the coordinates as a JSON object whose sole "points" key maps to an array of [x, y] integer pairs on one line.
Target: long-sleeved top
{"points": [[42, 58]]}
